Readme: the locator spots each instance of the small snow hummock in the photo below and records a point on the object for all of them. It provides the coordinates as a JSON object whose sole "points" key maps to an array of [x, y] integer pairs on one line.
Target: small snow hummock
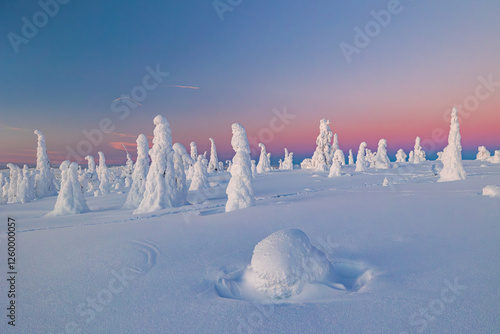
{"points": [[492, 191], [213, 164], [105, 175], [482, 153], [139, 175], [351, 158], [285, 262], [200, 177], [453, 168], [264, 164], [360, 159], [162, 188], [386, 182], [70, 200], [401, 156], [381, 160], [45, 184], [240, 189], [417, 155]]}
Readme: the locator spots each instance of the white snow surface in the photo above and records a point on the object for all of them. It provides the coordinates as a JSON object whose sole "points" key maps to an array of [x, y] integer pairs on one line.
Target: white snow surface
{"points": [[415, 256]]}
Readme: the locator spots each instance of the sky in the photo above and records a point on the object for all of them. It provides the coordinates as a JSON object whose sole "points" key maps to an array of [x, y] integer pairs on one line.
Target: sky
{"points": [[92, 75]]}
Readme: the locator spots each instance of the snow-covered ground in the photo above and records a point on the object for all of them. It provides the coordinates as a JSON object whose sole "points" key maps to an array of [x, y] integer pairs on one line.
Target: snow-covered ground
{"points": [[415, 256]]}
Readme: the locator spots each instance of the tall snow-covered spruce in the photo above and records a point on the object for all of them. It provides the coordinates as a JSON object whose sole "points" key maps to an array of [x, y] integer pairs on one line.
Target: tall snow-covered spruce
{"points": [[70, 200], [162, 183], [240, 189], [360, 159], [322, 155], [213, 164], [200, 177], [264, 164], [453, 168], [44, 180], [139, 175], [106, 177]]}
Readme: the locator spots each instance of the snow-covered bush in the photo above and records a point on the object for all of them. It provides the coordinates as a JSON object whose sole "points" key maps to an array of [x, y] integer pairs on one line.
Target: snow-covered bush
{"points": [[200, 176], [492, 191], [285, 262], [482, 153], [264, 164], [106, 177], [70, 200], [45, 183], [240, 189], [213, 164], [453, 168], [335, 148], [351, 158], [360, 159], [323, 154], [381, 160], [417, 155], [496, 158], [162, 187], [401, 156], [140, 173]]}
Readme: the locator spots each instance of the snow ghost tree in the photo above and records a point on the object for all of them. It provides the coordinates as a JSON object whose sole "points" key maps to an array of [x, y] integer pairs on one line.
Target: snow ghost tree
{"points": [[335, 148], [370, 156], [381, 160], [264, 164], [287, 163], [221, 166], [105, 175], [335, 169], [254, 169], [322, 155], [3, 189], [15, 178], [418, 153], [26, 186], [194, 152], [127, 171], [496, 158], [229, 164], [180, 181], [91, 176], [139, 175], [453, 168], [213, 164], [410, 158], [162, 183], [351, 158], [187, 160], [482, 153], [401, 156], [200, 176], [240, 189], [44, 180], [70, 200], [360, 159]]}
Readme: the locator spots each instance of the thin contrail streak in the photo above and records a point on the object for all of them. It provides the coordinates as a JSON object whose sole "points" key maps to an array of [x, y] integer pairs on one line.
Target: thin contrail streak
{"points": [[126, 97]]}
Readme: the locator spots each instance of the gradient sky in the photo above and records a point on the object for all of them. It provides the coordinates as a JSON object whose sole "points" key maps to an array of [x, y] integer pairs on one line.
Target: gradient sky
{"points": [[263, 56]]}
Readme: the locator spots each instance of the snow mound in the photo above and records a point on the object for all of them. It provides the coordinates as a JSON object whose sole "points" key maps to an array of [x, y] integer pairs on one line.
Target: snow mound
{"points": [[492, 191], [287, 268], [285, 261]]}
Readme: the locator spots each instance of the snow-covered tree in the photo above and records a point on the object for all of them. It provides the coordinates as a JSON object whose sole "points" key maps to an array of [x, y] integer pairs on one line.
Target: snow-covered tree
{"points": [[45, 184], [26, 186], [162, 187], [351, 158], [381, 160], [187, 160], [411, 157], [401, 156], [15, 177], [287, 163], [482, 153], [200, 176], [4, 189], [386, 182], [418, 152], [496, 158], [70, 200], [139, 175], [91, 177], [453, 168], [335, 148], [106, 177], [194, 152], [264, 164], [213, 164], [127, 171], [360, 159], [322, 155], [180, 181], [254, 169], [369, 156], [335, 169], [221, 166], [240, 189], [229, 164]]}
